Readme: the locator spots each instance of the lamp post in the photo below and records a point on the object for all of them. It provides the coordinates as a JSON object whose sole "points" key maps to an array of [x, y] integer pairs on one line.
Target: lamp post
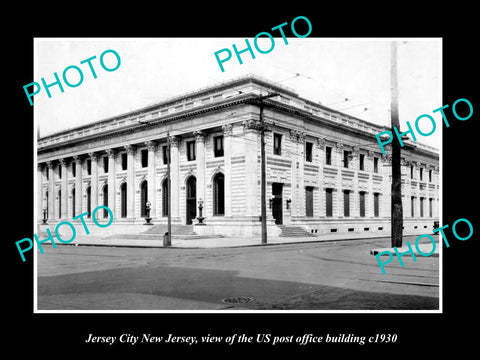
{"points": [[148, 206], [200, 212], [44, 215]]}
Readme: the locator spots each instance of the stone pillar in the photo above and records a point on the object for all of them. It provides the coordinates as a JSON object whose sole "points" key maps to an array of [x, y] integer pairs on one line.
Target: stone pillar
{"points": [[339, 164], [175, 176], [39, 192], [130, 181], [355, 194], [369, 198], [78, 185], [151, 177], [94, 184], [112, 187], [320, 211], [294, 171], [64, 188], [200, 160], [301, 173], [252, 187], [51, 191], [227, 156]]}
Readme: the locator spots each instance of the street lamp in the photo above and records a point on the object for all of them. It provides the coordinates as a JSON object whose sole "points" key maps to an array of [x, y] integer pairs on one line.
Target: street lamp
{"points": [[44, 215], [148, 205], [200, 212]]}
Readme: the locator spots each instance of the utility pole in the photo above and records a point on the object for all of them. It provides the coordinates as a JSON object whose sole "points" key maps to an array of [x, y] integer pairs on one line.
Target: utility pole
{"points": [[263, 185], [168, 240], [396, 192]]}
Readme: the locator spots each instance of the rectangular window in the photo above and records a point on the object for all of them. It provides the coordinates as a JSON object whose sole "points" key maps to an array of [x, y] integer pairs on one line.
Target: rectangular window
{"points": [[329, 202], [430, 207], [362, 203], [346, 203], [124, 161], [191, 150], [421, 206], [59, 172], [165, 154], [105, 164], [376, 209], [411, 171], [362, 162], [429, 175], [277, 144], [421, 174], [309, 201], [346, 154], [89, 167], [328, 155], [375, 165], [144, 157], [308, 151], [218, 146], [74, 169], [412, 205]]}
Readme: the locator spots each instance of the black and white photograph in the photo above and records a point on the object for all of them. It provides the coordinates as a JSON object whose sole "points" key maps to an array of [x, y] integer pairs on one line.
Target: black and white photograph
{"points": [[182, 170], [242, 181]]}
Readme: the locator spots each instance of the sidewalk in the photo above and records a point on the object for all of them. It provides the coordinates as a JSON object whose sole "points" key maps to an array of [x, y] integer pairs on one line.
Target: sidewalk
{"points": [[225, 242]]}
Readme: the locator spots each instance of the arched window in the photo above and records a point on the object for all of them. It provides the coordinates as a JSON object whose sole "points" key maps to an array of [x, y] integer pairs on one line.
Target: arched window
{"points": [[219, 194], [191, 197], [89, 201], [165, 197], [143, 198], [123, 200], [105, 200]]}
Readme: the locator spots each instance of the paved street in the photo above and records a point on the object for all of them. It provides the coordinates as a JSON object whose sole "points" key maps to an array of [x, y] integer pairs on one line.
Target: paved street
{"points": [[334, 275]]}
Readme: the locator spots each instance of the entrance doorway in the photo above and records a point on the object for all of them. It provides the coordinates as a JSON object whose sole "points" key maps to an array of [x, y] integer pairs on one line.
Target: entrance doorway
{"points": [[191, 195], [277, 203]]}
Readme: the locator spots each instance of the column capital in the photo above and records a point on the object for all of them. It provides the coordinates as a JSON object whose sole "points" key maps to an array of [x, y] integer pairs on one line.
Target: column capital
{"points": [[77, 159], [130, 149], [251, 125], [321, 142], [199, 136], [93, 156], [62, 162], [110, 152], [49, 164], [301, 136], [339, 146], [175, 140], [227, 129], [151, 145]]}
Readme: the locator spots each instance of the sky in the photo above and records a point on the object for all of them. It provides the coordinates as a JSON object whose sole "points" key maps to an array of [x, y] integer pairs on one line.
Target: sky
{"points": [[325, 70]]}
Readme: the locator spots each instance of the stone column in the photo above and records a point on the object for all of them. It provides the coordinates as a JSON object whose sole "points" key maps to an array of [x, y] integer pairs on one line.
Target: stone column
{"points": [[94, 184], [151, 177], [252, 188], [175, 176], [294, 170], [39, 192], [112, 187], [355, 194], [78, 185], [64, 188], [200, 156], [369, 198], [321, 191], [339, 164], [301, 173], [51, 191], [130, 181], [227, 156]]}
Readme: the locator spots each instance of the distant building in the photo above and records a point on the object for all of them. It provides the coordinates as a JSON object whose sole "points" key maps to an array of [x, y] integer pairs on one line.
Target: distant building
{"points": [[325, 171]]}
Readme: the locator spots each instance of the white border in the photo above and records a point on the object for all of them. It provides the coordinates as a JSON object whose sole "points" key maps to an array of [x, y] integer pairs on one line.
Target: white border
{"points": [[35, 202]]}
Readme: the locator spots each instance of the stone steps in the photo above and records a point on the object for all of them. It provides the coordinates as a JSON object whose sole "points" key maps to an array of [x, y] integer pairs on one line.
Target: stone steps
{"points": [[294, 231]]}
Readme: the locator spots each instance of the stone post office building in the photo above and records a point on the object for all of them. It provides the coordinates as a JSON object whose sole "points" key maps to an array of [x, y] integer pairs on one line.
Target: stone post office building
{"points": [[324, 170]]}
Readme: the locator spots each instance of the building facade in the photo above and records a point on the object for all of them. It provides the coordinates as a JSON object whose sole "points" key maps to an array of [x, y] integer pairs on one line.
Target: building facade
{"points": [[324, 170]]}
